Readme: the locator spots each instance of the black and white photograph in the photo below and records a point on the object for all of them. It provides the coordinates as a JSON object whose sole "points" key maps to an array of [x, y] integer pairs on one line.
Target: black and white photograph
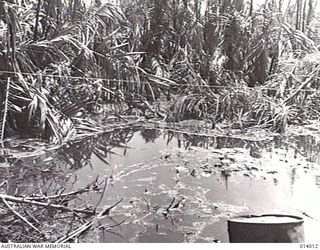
{"points": [[159, 121]]}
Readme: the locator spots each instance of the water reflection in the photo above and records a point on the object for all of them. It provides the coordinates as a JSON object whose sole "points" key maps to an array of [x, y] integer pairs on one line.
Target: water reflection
{"points": [[178, 175], [209, 183], [293, 178], [32, 175], [317, 180], [225, 176], [186, 140], [78, 153], [150, 135]]}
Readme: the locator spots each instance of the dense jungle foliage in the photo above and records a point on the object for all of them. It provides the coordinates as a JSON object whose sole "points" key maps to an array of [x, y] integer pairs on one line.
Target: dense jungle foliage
{"points": [[235, 61]]}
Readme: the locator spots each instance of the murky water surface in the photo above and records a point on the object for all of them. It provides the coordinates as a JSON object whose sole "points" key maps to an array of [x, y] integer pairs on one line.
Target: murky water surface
{"points": [[178, 187]]}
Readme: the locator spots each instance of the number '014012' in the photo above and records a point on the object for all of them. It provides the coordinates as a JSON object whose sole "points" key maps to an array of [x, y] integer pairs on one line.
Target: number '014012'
{"points": [[314, 246]]}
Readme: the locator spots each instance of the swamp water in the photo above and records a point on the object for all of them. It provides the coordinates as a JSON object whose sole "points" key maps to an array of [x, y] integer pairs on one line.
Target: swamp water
{"points": [[178, 187]]}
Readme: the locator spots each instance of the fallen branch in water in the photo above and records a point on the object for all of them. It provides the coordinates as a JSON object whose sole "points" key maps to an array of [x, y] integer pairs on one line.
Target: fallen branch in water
{"points": [[19, 215], [37, 200], [75, 233], [34, 216], [87, 225], [27, 200], [64, 195]]}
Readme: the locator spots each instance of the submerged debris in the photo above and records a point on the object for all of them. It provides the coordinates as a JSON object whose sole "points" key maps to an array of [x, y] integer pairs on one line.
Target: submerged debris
{"points": [[40, 216]]}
